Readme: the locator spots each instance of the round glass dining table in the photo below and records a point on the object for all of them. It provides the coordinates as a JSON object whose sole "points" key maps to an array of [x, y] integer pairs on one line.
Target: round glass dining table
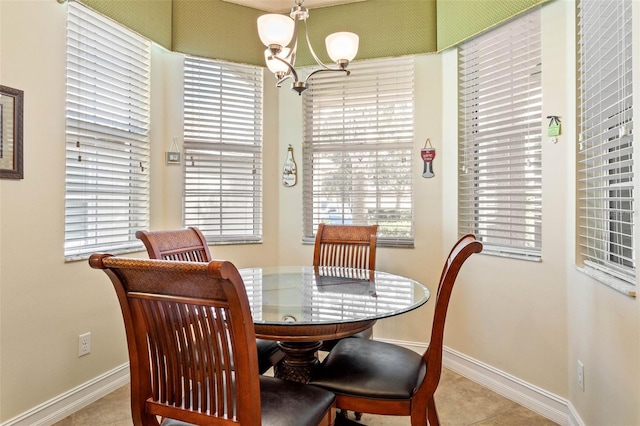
{"points": [[300, 306]]}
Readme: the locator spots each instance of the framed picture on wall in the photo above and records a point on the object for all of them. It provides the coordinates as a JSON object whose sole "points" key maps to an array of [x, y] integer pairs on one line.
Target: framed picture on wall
{"points": [[1, 151], [11, 105]]}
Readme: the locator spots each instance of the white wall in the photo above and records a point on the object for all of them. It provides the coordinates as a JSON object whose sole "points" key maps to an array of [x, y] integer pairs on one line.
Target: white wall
{"points": [[46, 303], [536, 320], [424, 262], [508, 313], [603, 324], [530, 320]]}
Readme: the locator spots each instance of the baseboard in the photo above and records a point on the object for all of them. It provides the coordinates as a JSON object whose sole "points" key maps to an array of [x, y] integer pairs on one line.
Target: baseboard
{"points": [[574, 417], [69, 402], [532, 397]]}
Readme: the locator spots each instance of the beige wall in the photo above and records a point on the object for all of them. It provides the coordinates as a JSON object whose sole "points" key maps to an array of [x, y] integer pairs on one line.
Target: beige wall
{"points": [[424, 262], [530, 320], [509, 313], [46, 303], [603, 324]]}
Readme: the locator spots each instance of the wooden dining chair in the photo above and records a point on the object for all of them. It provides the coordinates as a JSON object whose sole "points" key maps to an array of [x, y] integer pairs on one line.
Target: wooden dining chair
{"points": [[349, 246], [190, 245], [185, 322], [380, 378], [182, 244]]}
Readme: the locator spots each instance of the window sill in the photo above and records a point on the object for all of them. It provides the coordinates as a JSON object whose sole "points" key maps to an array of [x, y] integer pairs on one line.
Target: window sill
{"points": [[606, 279], [492, 251]]}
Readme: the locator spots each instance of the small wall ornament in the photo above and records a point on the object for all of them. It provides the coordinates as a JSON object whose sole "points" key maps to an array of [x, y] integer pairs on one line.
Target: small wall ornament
{"points": [[428, 154], [173, 155], [554, 127], [290, 169]]}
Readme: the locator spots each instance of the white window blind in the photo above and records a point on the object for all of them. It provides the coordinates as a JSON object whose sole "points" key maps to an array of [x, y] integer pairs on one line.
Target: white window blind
{"points": [[500, 131], [605, 140], [107, 135], [223, 150], [358, 139]]}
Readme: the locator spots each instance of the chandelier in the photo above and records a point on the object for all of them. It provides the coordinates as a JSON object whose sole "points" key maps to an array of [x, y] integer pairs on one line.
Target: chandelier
{"points": [[280, 34]]}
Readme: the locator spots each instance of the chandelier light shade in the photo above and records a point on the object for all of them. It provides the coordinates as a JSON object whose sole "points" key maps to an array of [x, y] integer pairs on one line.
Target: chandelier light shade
{"points": [[342, 46], [275, 29], [277, 66], [279, 33]]}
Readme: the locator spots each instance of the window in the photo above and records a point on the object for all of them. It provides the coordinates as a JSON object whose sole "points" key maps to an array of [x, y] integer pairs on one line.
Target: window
{"points": [[223, 150], [605, 148], [500, 131], [358, 140], [107, 135]]}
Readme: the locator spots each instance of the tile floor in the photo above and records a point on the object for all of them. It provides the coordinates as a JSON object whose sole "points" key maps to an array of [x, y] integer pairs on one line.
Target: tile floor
{"points": [[460, 402]]}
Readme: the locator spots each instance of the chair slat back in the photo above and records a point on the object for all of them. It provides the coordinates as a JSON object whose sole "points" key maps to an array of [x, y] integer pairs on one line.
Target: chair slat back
{"points": [[185, 322], [461, 251], [186, 245], [346, 246]]}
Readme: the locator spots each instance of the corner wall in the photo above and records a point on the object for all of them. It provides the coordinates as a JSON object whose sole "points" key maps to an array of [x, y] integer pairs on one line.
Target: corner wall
{"points": [[509, 313], [424, 261], [603, 324], [45, 302], [531, 320]]}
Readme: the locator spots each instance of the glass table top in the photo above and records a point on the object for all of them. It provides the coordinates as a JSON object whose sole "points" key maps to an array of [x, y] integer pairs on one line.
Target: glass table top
{"points": [[328, 295]]}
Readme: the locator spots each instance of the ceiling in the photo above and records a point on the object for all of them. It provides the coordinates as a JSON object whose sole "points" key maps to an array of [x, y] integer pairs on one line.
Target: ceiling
{"points": [[283, 6]]}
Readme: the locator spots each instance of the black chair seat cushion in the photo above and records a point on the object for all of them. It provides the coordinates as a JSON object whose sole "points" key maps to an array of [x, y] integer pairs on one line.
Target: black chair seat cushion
{"points": [[287, 403], [370, 369], [268, 352], [328, 345]]}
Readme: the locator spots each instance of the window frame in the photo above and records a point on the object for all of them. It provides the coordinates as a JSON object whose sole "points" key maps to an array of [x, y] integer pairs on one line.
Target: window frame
{"points": [[605, 154], [346, 119], [500, 138], [223, 143], [107, 135]]}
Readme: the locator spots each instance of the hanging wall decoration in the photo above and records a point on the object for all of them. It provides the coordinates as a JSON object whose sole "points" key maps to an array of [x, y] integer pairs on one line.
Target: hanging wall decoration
{"points": [[289, 170], [428, 154], [554, 128], [173, 155]]}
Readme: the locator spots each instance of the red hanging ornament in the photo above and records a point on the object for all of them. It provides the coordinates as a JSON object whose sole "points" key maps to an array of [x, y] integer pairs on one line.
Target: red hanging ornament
{"points": [[428, 154]]}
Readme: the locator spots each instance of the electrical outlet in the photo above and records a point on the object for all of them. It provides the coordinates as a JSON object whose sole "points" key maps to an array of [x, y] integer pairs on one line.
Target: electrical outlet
{"points": [[84, 344], [580, 375]]}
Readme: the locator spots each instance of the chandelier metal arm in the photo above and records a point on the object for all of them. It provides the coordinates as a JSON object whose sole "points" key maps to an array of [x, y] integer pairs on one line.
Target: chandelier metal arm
{"points": [[291, 69], [274, 31], [281, 79], [324, 70], [313, 53]]}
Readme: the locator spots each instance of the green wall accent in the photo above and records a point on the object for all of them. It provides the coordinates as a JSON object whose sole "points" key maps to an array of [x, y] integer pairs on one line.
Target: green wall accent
{"points": [[387, 28], [149, 18], [217, 29], [459, 20]]}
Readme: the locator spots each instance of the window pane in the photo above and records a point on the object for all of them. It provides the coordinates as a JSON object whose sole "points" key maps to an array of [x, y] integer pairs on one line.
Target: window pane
{"points": [[606, 137], [358, 136], [500, 175], [223, 150], [107, 135]]}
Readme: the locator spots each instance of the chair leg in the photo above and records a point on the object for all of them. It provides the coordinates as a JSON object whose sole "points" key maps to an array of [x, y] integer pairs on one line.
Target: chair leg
{"points": [[432, 413], [345, 414]]}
